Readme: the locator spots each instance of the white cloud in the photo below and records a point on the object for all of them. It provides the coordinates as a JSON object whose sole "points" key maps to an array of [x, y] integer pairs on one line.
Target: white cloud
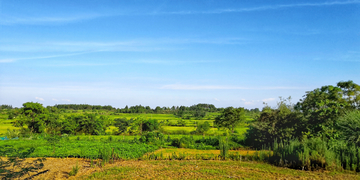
{"points": [[263, 8], [55, 99], [216, 99], [7, 60], [151, 44], [12, 20], [39, 98], [41, 57], [268, 99], [68, 100], [249, 103]]}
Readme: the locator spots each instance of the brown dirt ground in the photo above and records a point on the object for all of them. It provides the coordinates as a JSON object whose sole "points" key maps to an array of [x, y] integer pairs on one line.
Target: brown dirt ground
{"points": [[58, 168]]}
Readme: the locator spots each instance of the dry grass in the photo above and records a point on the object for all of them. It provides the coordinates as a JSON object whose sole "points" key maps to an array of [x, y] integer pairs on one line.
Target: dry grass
{"points": [[56, 168], [167, 152], [208, 170]]}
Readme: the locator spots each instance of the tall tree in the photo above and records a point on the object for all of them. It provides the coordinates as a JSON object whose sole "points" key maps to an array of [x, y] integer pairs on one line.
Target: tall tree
{"points": [[230, 118], [34, 116], [324, 105]]}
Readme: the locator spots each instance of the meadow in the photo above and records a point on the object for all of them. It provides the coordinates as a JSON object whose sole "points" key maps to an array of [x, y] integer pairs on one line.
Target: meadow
{"points": [[189, 143]]}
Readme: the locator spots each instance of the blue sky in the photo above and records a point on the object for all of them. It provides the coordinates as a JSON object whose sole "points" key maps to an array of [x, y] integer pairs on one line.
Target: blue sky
{"points": [[164, 53]]}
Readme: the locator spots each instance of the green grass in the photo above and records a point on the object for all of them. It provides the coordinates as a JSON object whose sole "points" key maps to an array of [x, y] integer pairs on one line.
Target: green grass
{"points": [[5, 127], [83, 148]]}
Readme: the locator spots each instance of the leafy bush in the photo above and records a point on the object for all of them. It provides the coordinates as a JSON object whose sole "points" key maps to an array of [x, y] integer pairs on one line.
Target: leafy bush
{"points": [[348, 126], [209, 141], [152, 138], [151, 125]]}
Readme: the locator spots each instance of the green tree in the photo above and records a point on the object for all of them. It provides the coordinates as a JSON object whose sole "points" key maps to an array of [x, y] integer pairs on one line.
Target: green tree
{"points": [[324, 105], [203, 127], [150, 125], [282, 123], [230, 118], [34, 116], [122, 124], [87, 124]]}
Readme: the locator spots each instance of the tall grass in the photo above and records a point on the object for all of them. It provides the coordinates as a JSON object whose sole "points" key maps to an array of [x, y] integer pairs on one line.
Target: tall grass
{"points": [[315, 153], [224, 147]]}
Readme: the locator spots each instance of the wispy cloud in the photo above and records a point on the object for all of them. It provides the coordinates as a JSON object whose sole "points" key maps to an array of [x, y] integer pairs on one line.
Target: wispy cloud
{"points": [[216, 87], [126, 45], [39, 98], [13, 20], [263, 8], [42, 57], [75, 48], [72, 18]]}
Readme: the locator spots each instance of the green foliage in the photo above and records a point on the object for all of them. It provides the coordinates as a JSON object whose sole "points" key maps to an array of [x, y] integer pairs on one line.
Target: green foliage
{"points": [[224, 147], [74, 170], [150, 125], [183, 142], [87, 124], [83, 148], [152, 138], [324, 105], [276, 124], [34, 116], [230, 118], [203, 127], [348, 126], [12, 133], [122, 124], [53, 139], [181, 122], [211, 141]]}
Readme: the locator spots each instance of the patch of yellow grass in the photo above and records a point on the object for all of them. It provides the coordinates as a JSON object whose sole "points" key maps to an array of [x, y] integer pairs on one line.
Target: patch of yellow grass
{"points": [[167, 152]]}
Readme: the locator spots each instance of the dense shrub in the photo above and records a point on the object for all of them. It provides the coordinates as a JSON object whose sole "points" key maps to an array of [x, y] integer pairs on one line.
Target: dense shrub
{"points": [[150, 125], [152, 138], [348, 126]]}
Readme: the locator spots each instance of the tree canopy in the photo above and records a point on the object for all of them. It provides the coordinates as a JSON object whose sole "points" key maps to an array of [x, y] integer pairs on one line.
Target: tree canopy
{"points": [[230, 118]]}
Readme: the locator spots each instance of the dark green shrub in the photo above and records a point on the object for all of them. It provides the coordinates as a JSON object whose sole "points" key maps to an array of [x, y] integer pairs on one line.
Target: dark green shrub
{"points": [[211, 141], [175, 142], [151, 125]]}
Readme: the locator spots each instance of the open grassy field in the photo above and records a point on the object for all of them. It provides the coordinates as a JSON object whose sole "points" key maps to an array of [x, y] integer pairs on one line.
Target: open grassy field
{"points": [[5, 127], [59, 168], [5, 123], [207, 170]]}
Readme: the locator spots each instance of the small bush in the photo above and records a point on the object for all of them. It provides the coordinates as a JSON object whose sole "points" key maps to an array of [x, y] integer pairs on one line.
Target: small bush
{"points": [[74, 170]]}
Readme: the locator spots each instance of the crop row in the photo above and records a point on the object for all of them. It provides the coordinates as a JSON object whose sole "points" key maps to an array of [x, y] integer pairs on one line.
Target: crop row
{"points": [[80, 149]]}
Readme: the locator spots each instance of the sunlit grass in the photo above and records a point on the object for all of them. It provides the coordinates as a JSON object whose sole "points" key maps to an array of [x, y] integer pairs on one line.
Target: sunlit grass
{"points": [[5, 127], [208, 169], [192, 152]]}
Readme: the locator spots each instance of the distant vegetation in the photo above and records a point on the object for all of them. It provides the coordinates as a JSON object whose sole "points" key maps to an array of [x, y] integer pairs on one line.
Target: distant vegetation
{"points": [[319, 131]]}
